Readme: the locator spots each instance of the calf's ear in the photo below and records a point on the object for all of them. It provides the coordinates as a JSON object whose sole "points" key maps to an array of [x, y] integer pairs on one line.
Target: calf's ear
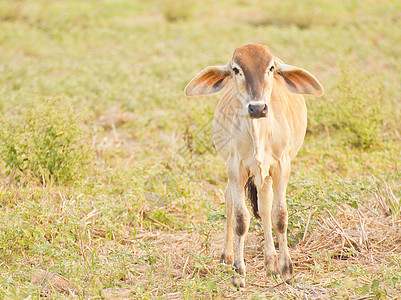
{"points": [[209, 81], [297, 80]]}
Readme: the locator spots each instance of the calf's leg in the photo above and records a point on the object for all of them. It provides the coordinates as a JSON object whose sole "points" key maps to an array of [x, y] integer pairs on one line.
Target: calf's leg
{"points": [[237, 177], [265, 199], [227, 255], [280, 216]]}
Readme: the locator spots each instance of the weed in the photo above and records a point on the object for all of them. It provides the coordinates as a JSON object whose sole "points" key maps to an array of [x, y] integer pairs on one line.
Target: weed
{"points": [[356, 110], [47, 141]]}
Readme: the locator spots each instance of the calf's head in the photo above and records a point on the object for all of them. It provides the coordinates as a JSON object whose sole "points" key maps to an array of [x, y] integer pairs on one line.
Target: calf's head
{"points": [[254, 71]]}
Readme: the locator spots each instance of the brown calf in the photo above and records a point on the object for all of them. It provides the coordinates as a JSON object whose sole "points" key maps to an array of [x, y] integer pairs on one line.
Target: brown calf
{"points": [[258, 127]]}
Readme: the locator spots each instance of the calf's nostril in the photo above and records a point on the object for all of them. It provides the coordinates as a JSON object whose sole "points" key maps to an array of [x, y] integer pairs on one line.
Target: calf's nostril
{"points": [[264, 108]]}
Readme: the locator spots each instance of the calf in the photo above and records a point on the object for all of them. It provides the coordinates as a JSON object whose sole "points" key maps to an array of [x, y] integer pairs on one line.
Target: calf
{"points": [[258, 127]]}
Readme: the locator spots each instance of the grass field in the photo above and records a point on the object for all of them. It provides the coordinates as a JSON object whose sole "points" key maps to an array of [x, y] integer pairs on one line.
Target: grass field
{"points": [[110, 184]]}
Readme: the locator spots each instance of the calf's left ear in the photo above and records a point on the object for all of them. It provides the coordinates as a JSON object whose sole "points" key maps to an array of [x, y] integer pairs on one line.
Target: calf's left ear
{"points": [[209, 81], [297, 80]]}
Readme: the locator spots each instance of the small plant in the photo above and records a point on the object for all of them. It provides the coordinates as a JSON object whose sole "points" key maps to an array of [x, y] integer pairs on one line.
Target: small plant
{"points": [[362, 114], [356, 110], [388, 202], [46, 141], [375, 290]]}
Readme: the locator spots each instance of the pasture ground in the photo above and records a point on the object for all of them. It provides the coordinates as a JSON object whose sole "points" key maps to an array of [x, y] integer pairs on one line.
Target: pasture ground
{"points": [[110, 184]]}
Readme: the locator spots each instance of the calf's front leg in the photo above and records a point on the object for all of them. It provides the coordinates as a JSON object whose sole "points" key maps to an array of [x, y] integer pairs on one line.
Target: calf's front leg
{"points": [[280, 216], [265, 200], [240, 217]]}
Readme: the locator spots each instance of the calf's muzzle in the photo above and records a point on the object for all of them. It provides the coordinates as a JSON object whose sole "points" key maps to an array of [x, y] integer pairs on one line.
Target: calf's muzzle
{"points": [[257, 111]]}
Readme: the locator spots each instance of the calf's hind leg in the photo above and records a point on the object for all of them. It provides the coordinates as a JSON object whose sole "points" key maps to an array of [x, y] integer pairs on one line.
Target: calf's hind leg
{"points": [[227, 255]]}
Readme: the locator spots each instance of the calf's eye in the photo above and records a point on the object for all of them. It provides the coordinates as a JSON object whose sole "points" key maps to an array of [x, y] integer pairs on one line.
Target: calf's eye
{"points": [[236, 71], [271, 68]]}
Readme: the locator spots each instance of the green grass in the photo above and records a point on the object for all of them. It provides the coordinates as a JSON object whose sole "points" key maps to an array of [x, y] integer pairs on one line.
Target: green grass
{"points": [[100, 148]]}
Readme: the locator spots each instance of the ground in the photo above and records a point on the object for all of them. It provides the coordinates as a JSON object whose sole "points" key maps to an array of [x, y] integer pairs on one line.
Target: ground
{"points": [[110, 184]]}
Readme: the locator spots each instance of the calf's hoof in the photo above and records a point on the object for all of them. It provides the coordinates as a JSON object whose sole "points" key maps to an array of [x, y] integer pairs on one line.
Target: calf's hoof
{"points": [[227, 258], [287, 271], [238, 282], [271, 264]]}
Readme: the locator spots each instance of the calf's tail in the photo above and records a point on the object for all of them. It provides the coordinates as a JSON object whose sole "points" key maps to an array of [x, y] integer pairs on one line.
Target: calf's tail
{"points": [[252, 194]]}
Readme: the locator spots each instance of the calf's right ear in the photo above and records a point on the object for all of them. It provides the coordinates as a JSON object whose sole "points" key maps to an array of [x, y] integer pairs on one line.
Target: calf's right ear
{"points": [[209, 81]]}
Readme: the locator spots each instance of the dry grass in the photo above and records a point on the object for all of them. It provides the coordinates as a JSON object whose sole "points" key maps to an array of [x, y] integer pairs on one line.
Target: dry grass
{"points": [[362, 236], [50, 282]]}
